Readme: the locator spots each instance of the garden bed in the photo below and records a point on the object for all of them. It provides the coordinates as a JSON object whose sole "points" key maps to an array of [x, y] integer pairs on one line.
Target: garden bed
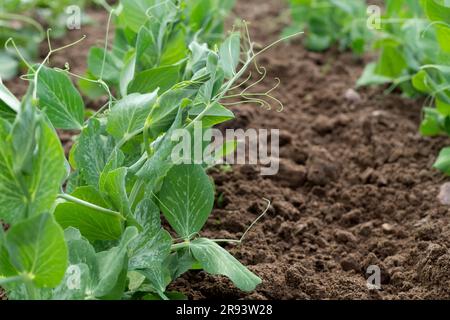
{"points": [[355, 188]]}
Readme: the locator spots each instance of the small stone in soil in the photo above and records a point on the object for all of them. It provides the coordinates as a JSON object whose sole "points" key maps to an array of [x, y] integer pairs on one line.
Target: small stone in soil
{"points": [[352, 96], [387, 228], [444, 194]]}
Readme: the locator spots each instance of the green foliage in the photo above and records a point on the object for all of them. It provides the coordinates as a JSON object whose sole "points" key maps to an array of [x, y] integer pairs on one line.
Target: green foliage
{"points": [[122, 177], [32, 165], [433, 79], [413, 45], [327, 22], [152, 39], [405, 42]]}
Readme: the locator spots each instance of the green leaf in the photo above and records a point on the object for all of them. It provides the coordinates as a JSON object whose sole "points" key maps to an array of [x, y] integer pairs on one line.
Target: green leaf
{"points": [[230, 52], [92, 152], [165, 110], [6, 268], [82, 273], [91, 89], [419, 82], [112, 263], [182, 261], [186, 199], [6, 113], [115, 161], [93, 224], [104, 66], [60, 100], [162, 78], [37, 248], [175, 50], [216, 114], [153, 244], [76, 284], [115, 188], [437, 12], [133, 14], [443, 161], [8, 98], [152, 247], [129, 114], [216, 260], [316, 42], [391, 62], [369, 77], [127, 74], [432, 123], [443, 107], [155, 169], [23, 136], [199, 13], [31, 189], [9, 67], [135, 281]]}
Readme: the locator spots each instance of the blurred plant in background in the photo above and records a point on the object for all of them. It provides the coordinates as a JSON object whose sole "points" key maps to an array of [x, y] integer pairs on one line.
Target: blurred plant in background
{"points": [[330, 22], [25, 21]]}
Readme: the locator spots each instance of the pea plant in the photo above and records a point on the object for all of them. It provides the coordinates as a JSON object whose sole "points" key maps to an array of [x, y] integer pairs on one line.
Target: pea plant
{"points": [[330, 22], [89, 226], [153, 39], [434, 79], [405, 42], [412, 40]]}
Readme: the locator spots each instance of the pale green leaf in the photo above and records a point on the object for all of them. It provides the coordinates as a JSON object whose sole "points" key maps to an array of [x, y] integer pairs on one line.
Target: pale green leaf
{"points": [[230, 52], [37, 248], [162, 78], [93, 224], [60, 100], [186, 199], [129, 114], [92, 152], [32, 189], [216, 260], [112, 263]]}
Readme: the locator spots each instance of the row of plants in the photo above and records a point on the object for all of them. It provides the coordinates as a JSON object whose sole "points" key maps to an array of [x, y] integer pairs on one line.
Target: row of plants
{"points": [[89, 226], [412, 39]]}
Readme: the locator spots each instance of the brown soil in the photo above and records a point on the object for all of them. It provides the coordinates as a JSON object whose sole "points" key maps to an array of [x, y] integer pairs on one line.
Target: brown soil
{"points": [[355, 187], [76, 56]]}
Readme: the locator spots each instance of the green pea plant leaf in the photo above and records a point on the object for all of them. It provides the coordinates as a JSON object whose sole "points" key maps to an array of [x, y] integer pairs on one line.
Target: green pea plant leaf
{"points": [[89, 226]]}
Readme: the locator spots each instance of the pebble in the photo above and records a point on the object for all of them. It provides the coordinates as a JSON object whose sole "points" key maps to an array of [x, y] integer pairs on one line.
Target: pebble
{"points": [[352, 96], [387, 228], [444, 194]]}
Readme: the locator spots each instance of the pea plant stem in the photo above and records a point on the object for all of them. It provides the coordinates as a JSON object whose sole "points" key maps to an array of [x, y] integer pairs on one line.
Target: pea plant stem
{"points": [[179, 246], [91, 206], [4, 281]]}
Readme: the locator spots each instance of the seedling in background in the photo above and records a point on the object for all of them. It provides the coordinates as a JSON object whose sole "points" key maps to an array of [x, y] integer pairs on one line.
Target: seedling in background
{"points": [[330, 22], [21, 20]]}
